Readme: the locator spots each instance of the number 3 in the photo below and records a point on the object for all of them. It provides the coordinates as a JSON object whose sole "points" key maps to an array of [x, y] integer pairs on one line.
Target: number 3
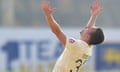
{"points": [[80, 63], [78, 67]]}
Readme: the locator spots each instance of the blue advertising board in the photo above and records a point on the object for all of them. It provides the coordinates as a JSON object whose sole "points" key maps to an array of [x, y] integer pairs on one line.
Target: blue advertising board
{"points": [[107, 56], [35, 50]]}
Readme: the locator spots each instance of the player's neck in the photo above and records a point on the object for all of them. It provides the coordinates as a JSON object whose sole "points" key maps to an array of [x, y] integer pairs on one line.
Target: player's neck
{"points": [[85, 40]]}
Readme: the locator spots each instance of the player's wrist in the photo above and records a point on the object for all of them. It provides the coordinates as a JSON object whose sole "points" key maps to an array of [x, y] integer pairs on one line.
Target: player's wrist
{"points": [[94, 15]]}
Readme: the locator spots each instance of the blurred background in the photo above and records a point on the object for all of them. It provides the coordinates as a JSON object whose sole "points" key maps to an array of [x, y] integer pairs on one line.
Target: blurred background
{"points": [[28, 45]]}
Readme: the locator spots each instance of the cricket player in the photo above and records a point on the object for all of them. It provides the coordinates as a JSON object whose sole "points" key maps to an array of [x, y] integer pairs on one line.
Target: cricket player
{"points": [[76, 51]]}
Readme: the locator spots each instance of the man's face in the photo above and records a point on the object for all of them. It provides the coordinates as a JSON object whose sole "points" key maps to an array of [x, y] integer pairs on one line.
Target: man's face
{"points": [[85, 33]]}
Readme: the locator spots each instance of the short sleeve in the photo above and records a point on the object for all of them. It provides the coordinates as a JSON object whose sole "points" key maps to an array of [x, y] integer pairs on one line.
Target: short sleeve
{"points": [[69, 42]]}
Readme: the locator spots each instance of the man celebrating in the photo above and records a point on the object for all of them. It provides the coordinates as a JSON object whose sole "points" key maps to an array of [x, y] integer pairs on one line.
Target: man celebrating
{"points": [[77, 51]]}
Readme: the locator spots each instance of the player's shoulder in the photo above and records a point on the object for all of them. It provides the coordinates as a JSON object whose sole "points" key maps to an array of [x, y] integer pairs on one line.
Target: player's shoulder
{"points": [[71, 39]]}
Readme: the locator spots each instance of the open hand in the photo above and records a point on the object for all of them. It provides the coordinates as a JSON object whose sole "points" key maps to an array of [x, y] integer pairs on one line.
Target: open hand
{"points": [[95, 8], [45, 5]]}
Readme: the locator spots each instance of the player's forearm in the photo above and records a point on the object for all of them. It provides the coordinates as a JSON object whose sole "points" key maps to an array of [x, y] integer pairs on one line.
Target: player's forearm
{"points": [[92, 21], [55, 27]]}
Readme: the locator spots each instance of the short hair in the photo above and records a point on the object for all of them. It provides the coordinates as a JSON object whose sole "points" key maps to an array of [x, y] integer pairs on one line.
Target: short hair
{"points": [[96, 37]]}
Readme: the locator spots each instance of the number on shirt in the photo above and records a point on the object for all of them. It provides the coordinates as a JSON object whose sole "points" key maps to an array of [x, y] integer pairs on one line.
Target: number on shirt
{"points": [[79, 61]]}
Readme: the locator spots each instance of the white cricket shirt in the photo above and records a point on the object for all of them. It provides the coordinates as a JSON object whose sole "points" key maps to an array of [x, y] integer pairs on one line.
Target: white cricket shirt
{"points": [[75, 54]]}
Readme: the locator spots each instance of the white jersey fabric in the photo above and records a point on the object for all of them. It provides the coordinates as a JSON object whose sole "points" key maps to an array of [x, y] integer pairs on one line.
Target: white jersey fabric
{"points": [[75, 54]]}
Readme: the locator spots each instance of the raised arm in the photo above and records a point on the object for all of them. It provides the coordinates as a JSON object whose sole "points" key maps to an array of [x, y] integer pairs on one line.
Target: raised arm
{"points": [[55, 27], [95, 10]]}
